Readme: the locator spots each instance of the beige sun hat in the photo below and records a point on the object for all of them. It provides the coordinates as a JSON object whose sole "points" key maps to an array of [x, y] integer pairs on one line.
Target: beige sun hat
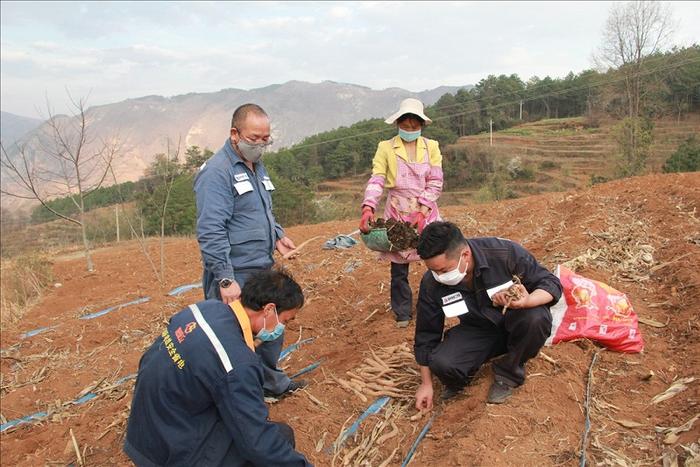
{"points": [[409, 106]]}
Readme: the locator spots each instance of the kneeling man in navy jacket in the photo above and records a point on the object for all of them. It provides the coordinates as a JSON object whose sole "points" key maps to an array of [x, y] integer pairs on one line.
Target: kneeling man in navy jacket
{"points": [[198, 398]]}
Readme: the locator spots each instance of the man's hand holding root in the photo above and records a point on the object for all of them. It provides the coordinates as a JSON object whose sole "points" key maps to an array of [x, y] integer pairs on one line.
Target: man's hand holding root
{"points": [[285, 245], [506, 298], [516, 296]]}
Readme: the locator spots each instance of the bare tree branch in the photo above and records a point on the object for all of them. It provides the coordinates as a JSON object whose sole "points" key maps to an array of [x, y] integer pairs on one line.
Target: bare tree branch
{"points": [[24, 174], [140, 238], [634, 31], [73, 165]]}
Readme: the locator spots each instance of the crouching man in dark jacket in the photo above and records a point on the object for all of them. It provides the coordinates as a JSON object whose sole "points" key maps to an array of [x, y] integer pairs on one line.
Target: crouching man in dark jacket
{"points": [[468, 279], [199, 397]]}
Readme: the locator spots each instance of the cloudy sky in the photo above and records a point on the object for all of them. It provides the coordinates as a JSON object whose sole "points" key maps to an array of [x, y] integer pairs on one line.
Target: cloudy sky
{"points": [[115, 51]]}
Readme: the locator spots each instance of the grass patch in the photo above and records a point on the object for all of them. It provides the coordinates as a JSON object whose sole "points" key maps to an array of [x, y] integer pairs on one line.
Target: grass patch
{"points": [[24, 279], [548, 165], [336, 207], [516, 132], [568, 131]]}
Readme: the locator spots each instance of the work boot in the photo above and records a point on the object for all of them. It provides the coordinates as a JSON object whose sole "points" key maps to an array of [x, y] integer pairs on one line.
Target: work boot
{"points": [[296, 385], [402, 324], [499, 392], [449, 392]]}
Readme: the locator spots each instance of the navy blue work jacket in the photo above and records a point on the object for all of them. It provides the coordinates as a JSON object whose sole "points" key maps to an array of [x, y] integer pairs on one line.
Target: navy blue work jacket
{"points": [[199, 395], [496, 261]]}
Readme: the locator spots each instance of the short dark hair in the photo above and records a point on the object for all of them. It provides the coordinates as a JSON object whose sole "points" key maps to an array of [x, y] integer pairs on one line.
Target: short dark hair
{"points": [[242, 112], [275, 286], [440, 237]]}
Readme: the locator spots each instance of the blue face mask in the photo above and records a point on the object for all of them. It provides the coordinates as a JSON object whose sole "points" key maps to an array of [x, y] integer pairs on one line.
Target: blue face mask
{"points": [[267, 336], [409, 136]]}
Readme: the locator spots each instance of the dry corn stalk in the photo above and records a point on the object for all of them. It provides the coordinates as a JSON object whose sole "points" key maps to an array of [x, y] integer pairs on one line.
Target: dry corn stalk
{"points": [[368, 449], [675, 388]]}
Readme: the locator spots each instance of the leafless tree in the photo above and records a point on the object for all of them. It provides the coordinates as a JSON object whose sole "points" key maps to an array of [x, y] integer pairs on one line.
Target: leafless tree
{"points": [[167, 169], [65, 160], [634, 31], [161, 176]]}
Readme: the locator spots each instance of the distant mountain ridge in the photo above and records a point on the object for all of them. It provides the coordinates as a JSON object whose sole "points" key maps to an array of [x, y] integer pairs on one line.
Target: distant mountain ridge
{"points": [[297, 110], [14, 127]]}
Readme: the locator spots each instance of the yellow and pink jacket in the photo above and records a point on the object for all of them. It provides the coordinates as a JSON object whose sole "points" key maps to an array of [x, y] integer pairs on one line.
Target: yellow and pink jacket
{"points": [[410, 183]]}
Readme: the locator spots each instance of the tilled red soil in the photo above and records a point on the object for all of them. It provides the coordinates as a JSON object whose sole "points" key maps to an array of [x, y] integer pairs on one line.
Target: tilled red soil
{"points": [[542, 424]]}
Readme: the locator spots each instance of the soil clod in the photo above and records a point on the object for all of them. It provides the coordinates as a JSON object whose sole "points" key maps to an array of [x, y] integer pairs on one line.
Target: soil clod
{"points": [[402, 235]]}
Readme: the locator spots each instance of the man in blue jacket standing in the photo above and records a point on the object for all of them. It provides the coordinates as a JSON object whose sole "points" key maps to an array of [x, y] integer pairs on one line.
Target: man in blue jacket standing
{"points": [[198, 398], [236, 229]]}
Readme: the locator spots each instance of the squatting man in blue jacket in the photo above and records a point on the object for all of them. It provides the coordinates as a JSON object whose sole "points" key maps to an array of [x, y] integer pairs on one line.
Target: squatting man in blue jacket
{"points": [[468, 279], [236, 229], [198, 398]]}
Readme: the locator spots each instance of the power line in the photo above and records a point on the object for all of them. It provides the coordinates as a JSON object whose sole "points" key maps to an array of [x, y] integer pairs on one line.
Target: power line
{"points": [[509, 103]]}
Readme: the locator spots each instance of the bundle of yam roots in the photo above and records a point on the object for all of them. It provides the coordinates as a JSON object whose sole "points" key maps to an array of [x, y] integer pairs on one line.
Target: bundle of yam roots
{"points": [[387, 371]]}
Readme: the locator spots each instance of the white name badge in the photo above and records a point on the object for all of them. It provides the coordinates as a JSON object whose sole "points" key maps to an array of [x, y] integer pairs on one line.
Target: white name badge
{"points": [[243, 187], [455, 309], [268, 185], [494, 290], [455, 297], [240, 177]]}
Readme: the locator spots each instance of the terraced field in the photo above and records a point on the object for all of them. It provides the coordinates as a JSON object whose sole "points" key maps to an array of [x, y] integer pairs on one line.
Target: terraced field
{"points": [[566, 152]]}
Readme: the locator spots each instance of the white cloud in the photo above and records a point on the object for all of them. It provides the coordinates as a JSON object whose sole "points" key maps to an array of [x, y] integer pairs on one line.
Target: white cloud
{"points": [[340, 12], [46, 46], [156, 51], [172, 48], [516, 57], [13, 55], [279, 22]]}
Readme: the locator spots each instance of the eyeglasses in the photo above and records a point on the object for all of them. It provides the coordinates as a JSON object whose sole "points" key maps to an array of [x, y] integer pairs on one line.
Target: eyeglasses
{"points": [[264, 142]]}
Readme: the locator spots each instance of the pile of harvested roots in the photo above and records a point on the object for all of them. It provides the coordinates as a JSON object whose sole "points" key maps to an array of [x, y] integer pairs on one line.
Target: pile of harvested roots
{"points": [[387, 371]]}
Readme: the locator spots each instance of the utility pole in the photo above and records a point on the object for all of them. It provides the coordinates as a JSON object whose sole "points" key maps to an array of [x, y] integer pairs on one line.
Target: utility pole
{"points": [[491, 132], [521, 109], [116, 215]]}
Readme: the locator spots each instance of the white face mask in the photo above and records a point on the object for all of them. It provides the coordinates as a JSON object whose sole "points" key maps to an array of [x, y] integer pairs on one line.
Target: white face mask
{"points": [[453, 277]]}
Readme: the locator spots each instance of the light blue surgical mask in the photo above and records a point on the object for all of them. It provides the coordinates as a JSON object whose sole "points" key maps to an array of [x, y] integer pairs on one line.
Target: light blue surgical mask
{"points": [[409, 136], [267, 336]]}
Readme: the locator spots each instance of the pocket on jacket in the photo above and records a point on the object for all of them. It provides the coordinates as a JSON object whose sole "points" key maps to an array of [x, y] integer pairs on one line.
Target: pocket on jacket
{"points": [[250, 248], [240, 237]]}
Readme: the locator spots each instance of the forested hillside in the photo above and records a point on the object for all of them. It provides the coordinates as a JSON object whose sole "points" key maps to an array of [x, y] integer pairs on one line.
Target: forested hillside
{"points": [[671, 88]]}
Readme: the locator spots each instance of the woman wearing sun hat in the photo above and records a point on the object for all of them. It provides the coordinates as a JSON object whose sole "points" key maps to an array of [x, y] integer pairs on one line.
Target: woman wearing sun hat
{"points": [[410, 167]]}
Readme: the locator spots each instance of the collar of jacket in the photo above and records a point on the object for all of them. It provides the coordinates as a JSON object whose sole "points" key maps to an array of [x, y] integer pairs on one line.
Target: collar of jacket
{"points": [[244, 321], [479, 258], [400, 148]]}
